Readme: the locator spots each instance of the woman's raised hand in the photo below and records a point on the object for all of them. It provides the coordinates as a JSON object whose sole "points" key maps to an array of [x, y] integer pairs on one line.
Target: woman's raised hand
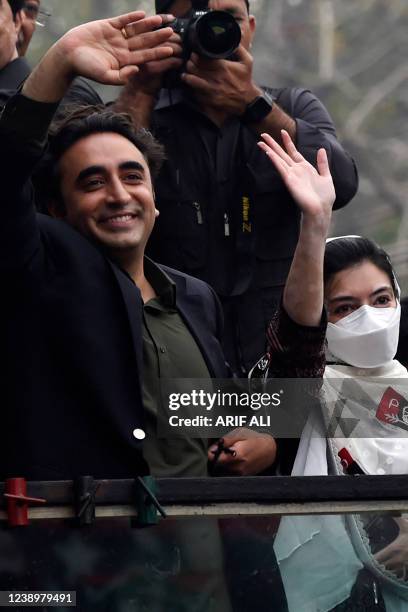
{"points": [[312, 189]]}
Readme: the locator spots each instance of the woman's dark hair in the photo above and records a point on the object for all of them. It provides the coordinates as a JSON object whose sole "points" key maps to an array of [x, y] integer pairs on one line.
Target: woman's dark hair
{"points": [[343, 253]]}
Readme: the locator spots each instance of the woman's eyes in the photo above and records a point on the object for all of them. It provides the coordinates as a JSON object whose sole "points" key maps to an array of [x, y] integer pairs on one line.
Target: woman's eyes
{"points": [[344, 309], [382, 300]]}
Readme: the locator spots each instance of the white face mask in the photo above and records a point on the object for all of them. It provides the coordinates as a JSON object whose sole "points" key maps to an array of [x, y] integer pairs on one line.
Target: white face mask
{"points": [[366, 338]]}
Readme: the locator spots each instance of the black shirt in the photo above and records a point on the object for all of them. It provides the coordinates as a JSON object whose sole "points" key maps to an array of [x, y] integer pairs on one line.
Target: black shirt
{"points": [[225, 215]]}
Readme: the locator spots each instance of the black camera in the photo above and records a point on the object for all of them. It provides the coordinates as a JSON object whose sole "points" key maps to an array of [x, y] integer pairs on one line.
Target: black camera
{"points": [[211, 34]]}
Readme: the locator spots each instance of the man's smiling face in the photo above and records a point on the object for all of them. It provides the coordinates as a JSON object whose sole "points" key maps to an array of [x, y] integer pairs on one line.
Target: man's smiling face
{"points": [[107, 192]]}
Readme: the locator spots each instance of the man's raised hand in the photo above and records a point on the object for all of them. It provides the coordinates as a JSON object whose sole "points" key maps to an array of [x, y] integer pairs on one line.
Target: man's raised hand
{"points": [[108, 51], [312, 189]]}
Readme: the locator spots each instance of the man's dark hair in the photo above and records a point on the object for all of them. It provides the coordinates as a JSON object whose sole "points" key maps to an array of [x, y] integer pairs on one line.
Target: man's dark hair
{"points": [[16, 5], [80, 122], [84, 121], [348, 251]]}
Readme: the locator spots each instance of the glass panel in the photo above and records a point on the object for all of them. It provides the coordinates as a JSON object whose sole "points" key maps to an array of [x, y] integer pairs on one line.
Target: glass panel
{"points": [[344, 563], [306, 563]]}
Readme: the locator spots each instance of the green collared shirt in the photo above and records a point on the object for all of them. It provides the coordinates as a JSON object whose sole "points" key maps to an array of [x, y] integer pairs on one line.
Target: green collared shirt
{"points": [[169, 352]]}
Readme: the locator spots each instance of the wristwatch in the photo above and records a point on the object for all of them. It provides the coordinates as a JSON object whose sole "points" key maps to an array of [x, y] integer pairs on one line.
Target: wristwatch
{"points": [[258, 109]]}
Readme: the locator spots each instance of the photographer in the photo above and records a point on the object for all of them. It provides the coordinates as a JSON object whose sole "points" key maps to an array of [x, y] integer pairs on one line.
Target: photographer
{"points": [[13, 70], [225, 217]]}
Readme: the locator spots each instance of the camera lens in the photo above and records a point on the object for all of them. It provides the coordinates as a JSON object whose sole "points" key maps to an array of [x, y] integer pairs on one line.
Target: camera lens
{"points": [[216, 35]]}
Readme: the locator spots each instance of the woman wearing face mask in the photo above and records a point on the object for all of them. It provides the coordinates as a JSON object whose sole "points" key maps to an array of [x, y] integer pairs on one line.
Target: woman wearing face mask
{"points": [[340, 319]]}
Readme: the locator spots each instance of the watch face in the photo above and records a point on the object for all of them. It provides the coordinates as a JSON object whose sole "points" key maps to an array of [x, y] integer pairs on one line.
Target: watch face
{"points": [[259, 109], [265, 107]]}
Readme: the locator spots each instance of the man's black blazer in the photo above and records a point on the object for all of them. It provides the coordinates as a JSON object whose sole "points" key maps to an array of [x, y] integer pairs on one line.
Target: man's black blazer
{"points": [[72, 340], [71, 335]]}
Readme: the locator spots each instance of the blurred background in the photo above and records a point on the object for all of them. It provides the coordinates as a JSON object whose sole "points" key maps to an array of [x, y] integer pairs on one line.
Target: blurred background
{"points": [[353, 55]]}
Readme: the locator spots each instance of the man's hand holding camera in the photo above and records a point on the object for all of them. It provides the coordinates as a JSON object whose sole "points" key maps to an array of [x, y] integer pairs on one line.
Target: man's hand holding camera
{"points": [[224, 85]]}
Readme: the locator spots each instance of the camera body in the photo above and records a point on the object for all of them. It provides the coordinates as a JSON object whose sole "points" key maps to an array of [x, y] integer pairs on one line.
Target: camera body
{"points": [[210, 34]]}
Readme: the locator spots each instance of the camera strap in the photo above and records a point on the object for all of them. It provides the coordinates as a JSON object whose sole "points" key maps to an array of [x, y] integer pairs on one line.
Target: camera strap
{"points": [[241, 210]]}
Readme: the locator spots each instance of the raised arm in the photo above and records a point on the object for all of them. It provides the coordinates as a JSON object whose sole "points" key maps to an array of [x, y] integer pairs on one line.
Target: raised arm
{"points": [[313, 192], [108, 51]]}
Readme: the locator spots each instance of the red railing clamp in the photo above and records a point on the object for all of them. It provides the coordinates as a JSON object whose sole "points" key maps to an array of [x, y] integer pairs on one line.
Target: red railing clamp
{"points": [[18, 502]]}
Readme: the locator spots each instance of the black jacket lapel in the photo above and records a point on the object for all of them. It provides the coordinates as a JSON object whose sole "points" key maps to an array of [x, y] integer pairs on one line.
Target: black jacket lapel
{"points": [[192, 305], [134, 307]]}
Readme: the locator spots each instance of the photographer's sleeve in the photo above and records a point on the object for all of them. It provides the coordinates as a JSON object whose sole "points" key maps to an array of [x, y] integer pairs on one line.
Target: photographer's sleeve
{"points": [[315, 129], [24, 127]]}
